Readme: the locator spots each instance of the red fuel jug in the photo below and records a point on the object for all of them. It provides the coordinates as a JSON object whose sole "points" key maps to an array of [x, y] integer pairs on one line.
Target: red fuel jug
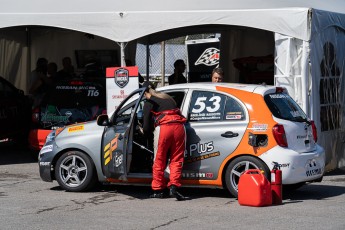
{"points": [[276, 184], [254, 189]]}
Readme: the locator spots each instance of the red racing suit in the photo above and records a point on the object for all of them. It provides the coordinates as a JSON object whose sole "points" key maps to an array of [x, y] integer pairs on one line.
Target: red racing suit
{"points": [[169, 143]]}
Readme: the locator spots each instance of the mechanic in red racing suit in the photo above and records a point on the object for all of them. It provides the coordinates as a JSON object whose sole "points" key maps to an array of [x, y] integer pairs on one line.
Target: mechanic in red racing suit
{"points": [[169, 141]]}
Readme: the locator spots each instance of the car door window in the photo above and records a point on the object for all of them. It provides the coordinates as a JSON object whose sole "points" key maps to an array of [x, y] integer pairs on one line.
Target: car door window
{"points": [[211, 106], [178, 96], [124, 115], [6, 90]]}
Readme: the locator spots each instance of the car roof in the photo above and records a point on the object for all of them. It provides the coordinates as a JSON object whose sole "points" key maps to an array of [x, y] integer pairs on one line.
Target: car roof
{"points": [[253, 88]]}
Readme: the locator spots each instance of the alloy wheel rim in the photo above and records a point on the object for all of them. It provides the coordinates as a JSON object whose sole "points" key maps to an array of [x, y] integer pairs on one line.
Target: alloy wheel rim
{"points": [[238, 170], [73, 171]]}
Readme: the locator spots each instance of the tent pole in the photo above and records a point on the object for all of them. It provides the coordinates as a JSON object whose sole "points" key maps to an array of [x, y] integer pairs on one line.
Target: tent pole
{"points": [[305, 74], [148, 59], [28, 58], [163, 63], [122, 47]]}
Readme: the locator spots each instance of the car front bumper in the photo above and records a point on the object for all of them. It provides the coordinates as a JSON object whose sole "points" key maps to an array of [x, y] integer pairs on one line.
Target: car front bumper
{"points": [[45, 159]]}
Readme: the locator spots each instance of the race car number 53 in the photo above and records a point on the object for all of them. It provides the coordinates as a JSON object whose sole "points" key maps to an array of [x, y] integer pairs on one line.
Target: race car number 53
{"points": [[200, 102]]}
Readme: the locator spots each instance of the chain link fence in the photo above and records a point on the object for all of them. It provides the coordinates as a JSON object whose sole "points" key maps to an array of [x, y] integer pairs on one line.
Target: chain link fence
{"points": [[174, 49]]}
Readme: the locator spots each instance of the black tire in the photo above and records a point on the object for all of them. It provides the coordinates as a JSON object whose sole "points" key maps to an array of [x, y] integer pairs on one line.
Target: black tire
{"points": [[75, 172], [237, 167]]}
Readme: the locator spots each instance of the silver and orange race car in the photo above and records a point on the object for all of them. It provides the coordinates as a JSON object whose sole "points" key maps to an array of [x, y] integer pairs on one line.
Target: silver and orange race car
{"points": [[231, 128]]}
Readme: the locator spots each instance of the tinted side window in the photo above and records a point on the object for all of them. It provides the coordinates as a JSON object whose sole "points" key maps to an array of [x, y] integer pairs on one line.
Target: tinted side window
{"points": [[178, 97], [84, 95], [210, 106], [6, 90], [284, 107]]}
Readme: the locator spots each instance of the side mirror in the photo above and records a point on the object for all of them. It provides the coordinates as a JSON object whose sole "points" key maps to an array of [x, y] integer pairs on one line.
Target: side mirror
{"points": [[103, 120], [140, 115]]}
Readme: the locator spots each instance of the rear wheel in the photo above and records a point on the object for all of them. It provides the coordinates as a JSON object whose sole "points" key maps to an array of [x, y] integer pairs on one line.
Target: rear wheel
{"points": [[75, 172], [237, 167]]}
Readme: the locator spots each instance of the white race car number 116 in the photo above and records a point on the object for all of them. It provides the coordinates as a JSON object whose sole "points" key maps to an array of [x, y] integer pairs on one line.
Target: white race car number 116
{"points": [[200, 104]]}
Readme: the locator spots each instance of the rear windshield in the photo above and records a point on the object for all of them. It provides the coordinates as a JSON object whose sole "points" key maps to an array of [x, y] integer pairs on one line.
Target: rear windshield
{"points": [[77, 94], [284, 107]]}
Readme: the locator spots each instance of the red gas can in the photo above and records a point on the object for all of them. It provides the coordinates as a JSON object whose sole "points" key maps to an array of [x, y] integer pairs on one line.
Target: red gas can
{"points": [[254, 189]]}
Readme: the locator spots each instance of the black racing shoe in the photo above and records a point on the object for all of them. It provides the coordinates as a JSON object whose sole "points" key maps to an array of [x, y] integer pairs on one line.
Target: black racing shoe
{"points": [[175, 193], [160, 194]]}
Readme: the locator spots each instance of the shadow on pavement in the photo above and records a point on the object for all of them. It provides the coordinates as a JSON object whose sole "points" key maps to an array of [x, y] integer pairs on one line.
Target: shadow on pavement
{"points": [[314, 192], [12, 153]]}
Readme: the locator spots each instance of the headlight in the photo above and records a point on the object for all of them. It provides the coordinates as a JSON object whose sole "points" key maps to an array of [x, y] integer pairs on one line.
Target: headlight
{"points": [[51, 136]]}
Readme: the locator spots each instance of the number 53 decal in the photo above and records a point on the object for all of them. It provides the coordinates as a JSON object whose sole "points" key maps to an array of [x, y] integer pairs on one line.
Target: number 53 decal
{"points": [[200, 104]]}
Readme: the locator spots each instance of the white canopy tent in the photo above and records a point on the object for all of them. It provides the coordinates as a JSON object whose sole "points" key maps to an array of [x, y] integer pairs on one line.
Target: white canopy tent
{"points": [[308, 35], [123, 21]]}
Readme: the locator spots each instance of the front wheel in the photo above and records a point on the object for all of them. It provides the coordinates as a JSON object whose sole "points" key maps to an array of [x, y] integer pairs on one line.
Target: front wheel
{"points": [[237, 167], [75, 172]]}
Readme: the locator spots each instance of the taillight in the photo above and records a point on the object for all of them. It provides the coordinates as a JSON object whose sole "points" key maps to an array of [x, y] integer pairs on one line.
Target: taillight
{"points": [[35, 116], [279, 135], [313, 126]]}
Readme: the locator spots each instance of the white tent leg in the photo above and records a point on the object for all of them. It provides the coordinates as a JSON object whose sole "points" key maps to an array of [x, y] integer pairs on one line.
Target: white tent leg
{"points": [[305, 77], [163, 63], [122, 47], [148, 60]]}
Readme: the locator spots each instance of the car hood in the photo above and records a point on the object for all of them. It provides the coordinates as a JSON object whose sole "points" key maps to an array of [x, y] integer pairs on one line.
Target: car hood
{"points": [[86, 136]]}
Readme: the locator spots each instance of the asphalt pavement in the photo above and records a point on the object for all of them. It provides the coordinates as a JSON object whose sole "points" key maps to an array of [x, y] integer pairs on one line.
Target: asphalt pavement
{"points": [[29, 203]]}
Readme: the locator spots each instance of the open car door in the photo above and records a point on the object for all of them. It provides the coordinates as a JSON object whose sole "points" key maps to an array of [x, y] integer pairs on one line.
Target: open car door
{"points": [[118, 137]]}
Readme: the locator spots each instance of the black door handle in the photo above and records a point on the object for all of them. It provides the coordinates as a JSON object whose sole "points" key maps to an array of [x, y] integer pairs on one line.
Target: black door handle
{"points": [[229, 134], [120, 137]]}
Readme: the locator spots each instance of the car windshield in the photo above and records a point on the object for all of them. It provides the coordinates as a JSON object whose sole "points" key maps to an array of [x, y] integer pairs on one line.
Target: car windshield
{"points": [[284, 107], [75, 94]]}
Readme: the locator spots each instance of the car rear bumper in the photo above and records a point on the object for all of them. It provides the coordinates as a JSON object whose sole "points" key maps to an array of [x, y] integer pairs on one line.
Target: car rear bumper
{"points": [[37, 138], [297, 167]]}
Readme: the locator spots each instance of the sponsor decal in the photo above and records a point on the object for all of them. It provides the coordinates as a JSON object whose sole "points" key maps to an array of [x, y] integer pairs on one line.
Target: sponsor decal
{"points": [[200, 148], [122, 95], [205, 116], [313, 172], [75, 87], [312, 168], [285, 165], [206, 108], [76, 128], [209, 57], [118, 159], [109, 148], [46, 149], [207, 175], [259, 127], [121, 77], [278, 95], [304, 136], [202, 157], [233, 116], [54, 118], [44, 163]]}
